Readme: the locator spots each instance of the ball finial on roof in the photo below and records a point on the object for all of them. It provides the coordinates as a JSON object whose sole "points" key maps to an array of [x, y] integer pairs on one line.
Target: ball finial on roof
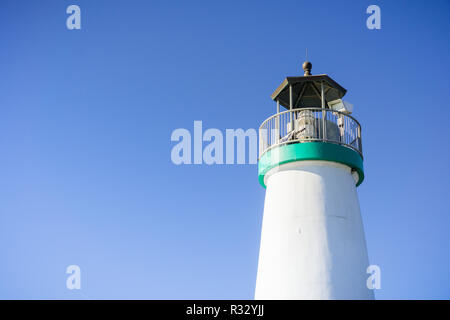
{"points": [[307, 68]]}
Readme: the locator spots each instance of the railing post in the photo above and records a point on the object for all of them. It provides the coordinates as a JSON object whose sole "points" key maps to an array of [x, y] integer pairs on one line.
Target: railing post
{"points": [[278, 122], [291, 115], [324, 115], [359, 139]]}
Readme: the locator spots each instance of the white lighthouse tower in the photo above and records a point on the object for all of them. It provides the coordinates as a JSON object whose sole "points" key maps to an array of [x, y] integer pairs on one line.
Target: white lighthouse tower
{"points": [[310, 162]]}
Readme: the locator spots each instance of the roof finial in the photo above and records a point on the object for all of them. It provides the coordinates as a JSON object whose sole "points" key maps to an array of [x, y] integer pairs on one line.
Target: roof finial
{"points": [[307, 65], [307, 68]]}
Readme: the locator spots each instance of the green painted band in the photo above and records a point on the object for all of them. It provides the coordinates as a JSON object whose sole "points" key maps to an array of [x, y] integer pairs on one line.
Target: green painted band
{"points": [[310, 151]]}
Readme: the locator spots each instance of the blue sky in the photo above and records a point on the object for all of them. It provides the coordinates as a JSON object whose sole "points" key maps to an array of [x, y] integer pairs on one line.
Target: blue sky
{"points": [[85, 123]]}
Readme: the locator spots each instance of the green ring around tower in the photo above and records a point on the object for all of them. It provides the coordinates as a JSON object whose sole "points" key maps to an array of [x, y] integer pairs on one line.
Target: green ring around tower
{"points": [[310, 151]]}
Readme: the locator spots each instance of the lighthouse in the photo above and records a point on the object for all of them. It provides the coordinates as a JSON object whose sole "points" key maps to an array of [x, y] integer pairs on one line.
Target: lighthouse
{"points": [[311, 163]]}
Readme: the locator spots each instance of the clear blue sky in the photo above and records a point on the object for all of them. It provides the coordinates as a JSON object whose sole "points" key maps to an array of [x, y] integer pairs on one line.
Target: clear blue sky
{"points": [[86, 118]]}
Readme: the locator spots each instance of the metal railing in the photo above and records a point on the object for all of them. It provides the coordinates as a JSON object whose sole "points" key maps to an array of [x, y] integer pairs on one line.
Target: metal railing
{"points": [[308, 125]]}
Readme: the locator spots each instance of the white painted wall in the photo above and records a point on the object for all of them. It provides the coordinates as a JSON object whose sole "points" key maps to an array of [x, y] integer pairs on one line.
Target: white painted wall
{"points": [[312, 241]]}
